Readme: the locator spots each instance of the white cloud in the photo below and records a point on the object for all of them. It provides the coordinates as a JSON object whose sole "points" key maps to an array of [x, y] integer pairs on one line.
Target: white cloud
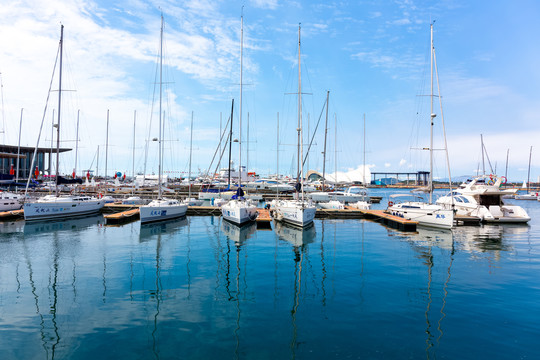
{"points": [[265, 4], [402, 162]]}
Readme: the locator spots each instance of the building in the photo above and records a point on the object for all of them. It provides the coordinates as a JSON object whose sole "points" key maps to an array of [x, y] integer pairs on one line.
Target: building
{"points": [[45, 157]]}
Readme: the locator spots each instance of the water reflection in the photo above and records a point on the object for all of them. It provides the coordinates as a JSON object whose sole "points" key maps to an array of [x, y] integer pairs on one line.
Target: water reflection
{"points": [[162, 227], [296, 236], [238, 234], [54, 226]]}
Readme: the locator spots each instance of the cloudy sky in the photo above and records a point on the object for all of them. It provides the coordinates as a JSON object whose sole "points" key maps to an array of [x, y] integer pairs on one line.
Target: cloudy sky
{"points": [[372, 56]]}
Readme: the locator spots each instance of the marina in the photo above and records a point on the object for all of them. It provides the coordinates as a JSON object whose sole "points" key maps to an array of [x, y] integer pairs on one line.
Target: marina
{"points": [[269, 180], [70, 287]]}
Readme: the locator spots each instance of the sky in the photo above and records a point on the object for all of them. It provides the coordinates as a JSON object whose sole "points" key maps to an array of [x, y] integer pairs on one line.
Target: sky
{"points": [[373, 57]]}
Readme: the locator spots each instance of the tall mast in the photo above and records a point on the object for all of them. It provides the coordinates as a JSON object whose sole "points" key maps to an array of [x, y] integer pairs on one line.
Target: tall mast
{"points": [[190, 152], [230, 144], [59, 103], [19, 150], [335, 149], [364, 170], [300, 136], [160, 99], [76, 145], [277, 154], [133, 155], [324, 151], [483, 163], [506, 169], [430, 185], [107, 145], [240, 120], [529, 171]]}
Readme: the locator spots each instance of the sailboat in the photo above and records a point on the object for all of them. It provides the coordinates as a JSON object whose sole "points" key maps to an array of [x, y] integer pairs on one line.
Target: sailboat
{"points": [[56, 206], [161, 208], [297, 212], [239, 210], [427, 214]]}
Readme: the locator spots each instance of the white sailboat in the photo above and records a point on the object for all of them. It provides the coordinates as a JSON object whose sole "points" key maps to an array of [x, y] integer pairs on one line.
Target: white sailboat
{"points": [[239, 210], [56, 206], [298, 212], [427, 214], [161, 208]]}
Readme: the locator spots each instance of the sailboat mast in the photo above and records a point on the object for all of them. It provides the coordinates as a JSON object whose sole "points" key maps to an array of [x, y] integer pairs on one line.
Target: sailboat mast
{"points": [[19, 150], [300, 137], [190, 153], [324, 151], [277, 154], [133, 155], [230, 144], [240, 120], [430, 185], [483, 163], [59, 103], [160, 100], [76, 145], [364, 170], [506, 168], [529, 171], [107, 145]]}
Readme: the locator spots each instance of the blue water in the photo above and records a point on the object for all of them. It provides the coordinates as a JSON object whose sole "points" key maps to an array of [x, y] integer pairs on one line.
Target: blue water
{"points": [[202, 288]]}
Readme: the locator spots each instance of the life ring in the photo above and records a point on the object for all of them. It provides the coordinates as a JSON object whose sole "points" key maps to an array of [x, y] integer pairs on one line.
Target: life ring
{"points": [[390, 203], [503, 182], [100, 196], [491, 181]]}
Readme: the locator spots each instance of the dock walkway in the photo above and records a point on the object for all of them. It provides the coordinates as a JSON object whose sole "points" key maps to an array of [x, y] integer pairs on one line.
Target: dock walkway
{"points": [[390, 220]]}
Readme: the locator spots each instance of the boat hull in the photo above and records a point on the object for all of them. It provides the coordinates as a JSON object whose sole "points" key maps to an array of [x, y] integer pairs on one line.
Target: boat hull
{"points": [[238, 213], [60, 209], [424, 214], [154, 213], [294, 213]]}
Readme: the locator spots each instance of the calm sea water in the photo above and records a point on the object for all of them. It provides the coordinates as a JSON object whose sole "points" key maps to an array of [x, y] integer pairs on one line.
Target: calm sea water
{"points": [[202, 288]]}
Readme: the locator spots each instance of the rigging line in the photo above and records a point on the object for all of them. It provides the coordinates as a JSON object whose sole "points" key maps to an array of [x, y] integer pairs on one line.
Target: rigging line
{"points": [[42, 122], [313, 137]]}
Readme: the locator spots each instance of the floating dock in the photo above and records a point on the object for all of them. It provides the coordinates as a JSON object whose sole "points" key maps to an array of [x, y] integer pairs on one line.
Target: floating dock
{"points": [[122, 217], [395, 222], [10, 215], [264, 220]]}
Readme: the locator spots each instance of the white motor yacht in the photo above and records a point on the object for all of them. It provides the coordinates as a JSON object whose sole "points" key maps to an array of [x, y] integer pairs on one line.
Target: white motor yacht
{"points": [[426, 214], [483, 198]]}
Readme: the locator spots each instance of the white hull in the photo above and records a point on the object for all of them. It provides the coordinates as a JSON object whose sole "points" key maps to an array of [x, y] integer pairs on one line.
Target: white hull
{"points": [[425, 214], [52, 207], [159, 210], [239, 212], [294, 212], [529, 196]]}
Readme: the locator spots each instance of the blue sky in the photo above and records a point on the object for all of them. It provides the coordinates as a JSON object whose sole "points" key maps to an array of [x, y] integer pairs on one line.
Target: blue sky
{"points": [[373, 57]]}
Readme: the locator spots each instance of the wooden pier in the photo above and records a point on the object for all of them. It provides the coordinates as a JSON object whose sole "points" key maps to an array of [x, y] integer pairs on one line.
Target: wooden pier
{"points": [[390, 220], [122, 217], [264, 220], [13, 214]]}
